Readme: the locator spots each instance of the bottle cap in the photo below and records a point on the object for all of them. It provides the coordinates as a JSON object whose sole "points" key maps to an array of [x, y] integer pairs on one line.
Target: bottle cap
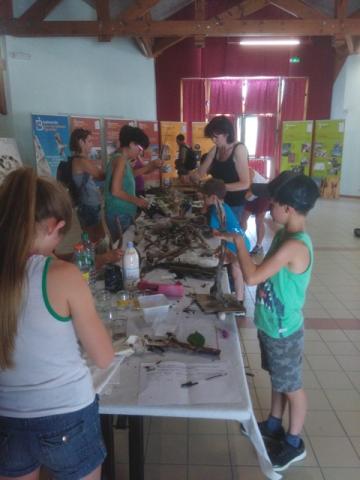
{"points": [[79, 247], [130, 245]]}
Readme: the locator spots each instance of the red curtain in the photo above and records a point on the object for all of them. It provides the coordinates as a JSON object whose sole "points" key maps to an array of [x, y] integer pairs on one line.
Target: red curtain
{"points": [[259, 166], [226, 97], [262, 96], [293, 103], [194, 100], [265, 145]]}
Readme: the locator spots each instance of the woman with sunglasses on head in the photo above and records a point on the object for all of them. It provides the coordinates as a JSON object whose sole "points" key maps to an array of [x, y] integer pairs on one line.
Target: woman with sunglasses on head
{"points": [[84, 172], [227, 161], [121, 202]]}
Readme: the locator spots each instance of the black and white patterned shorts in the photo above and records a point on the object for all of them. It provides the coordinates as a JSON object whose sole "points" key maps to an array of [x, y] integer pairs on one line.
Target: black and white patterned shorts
{"points": [[283, 358]]}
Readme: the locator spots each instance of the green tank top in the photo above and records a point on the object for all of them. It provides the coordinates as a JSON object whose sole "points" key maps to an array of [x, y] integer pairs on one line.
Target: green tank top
{"points": [[280, 299], [115, 204]]}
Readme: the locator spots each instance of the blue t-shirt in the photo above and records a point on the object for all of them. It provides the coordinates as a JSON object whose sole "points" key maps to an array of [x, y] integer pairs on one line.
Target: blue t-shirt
{"points": [[231, 225]]}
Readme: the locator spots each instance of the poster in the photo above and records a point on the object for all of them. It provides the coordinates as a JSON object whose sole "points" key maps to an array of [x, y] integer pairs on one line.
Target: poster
{"points": [[9, 157], [51, 142], [94, 126], [200, 143], [296, 146], [327, 156], [169, 148], [151, 129], [112, 128]]}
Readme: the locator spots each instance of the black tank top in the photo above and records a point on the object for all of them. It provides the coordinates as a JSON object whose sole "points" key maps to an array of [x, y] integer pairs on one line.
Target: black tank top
{"points": [[226, 171]]}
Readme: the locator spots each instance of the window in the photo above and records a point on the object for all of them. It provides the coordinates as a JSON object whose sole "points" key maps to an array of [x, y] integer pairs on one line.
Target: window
{"points": [[247, 132]]}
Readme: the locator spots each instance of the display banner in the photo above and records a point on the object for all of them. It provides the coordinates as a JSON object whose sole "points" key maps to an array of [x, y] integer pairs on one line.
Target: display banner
{"points": [[296, 146], [151, 129], [92, 124], [9, 157], [200, 143], [327, 156], [51, 141], [169, 149], [112, 128]]}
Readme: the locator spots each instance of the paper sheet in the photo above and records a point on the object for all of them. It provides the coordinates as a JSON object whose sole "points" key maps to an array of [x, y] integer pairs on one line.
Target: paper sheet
{"points": [[161, 384], [101, 377]]}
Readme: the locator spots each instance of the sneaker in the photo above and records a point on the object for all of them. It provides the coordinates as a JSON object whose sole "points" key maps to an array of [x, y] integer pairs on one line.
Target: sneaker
{"points": [[266, 433], [284, 454], [257, 250]]}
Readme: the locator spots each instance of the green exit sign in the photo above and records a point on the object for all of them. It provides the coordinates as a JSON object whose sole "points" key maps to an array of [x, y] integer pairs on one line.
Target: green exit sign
{"points": [[294, 60]]}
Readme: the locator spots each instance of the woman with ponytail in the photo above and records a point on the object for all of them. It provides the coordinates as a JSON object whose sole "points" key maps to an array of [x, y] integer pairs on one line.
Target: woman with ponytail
{"points": [[48, 410]]}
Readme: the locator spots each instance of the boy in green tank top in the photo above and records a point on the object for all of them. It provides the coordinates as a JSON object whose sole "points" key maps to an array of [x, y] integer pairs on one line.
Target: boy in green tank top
{"points": [[282, 279]]}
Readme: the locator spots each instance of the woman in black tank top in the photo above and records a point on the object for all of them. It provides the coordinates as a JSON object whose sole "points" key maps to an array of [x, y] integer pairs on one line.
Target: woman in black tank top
{"points": [[228, 161]]}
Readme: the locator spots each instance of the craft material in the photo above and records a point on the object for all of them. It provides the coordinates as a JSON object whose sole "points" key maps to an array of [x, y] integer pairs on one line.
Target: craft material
{"points": [[171, 290], [209, 304], [155, 307], [170, 342], [196, 339]]}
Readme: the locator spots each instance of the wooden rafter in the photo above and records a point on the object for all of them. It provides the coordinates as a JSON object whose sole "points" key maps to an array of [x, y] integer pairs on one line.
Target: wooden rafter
{"points": [[137, 10], [214, 28], [146, 44], [39, 10], [6, 9], [242, 10], [298, 8], [199, 40], [341, 9], [103, 16], [355, 14]]}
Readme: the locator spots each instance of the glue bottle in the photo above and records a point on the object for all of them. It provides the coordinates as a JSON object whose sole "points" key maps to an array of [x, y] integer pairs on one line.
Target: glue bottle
{"points": [[131, 267]]}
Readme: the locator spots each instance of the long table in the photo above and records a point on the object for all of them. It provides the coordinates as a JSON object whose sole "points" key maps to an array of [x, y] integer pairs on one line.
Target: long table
{"points": [[121, 397]]}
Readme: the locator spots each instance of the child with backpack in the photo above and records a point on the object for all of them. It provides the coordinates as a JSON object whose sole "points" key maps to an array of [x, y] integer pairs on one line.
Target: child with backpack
{"points": [[48, 409]]}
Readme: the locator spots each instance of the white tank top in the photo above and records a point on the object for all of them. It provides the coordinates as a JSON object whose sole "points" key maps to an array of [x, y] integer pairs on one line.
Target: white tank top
{"points": [[49, 376]]}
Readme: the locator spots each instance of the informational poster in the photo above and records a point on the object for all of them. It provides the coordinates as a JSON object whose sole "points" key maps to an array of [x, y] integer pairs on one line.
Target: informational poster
{"points": [[51, 141], [151, 129], [200, 143], [9, 157], [327, 156], [169, 148], [296, 146], [112, 128], [94, 126]]}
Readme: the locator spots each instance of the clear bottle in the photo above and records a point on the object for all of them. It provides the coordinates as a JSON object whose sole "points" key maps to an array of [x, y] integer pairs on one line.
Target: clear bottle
{"points": [[131, 267], [89, 249], [81, 261]]}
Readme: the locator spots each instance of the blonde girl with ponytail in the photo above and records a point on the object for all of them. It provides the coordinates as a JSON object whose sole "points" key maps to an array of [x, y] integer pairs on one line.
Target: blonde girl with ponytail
{"points": [[48, 409]]}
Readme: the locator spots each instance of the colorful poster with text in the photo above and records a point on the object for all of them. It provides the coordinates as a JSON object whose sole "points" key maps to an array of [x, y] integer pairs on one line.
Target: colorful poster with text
{"points": [[169, 148], [93, 125], [112, 128], [151, 129], [296, 146], [200, 143]]}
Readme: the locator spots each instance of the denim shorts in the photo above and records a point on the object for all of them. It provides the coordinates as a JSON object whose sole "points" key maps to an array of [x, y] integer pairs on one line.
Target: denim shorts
{"points": [[89, 215], [69, 445], [118, 223]]}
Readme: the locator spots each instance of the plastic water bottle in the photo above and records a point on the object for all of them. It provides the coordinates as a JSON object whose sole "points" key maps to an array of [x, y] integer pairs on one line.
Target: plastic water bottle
{"points": [[81, 261], [89, 250], [131, 266]]}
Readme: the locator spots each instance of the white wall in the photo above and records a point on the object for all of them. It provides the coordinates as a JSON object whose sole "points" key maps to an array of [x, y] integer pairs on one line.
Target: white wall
{"points": [[346, 104], [73, 76]]}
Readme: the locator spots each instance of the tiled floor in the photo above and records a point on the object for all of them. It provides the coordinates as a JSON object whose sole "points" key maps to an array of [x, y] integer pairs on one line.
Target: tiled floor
{"points": [[180, 449]]}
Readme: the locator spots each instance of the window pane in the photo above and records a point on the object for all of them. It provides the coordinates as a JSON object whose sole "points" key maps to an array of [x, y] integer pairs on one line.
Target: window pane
{"points": [[251, 130]]}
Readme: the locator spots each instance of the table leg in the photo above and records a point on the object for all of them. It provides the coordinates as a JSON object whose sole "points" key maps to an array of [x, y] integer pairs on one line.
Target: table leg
{"points": [[136, 448], [108, 468]]}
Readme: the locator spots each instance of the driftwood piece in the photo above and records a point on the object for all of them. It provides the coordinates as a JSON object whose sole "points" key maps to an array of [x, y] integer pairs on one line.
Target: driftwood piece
{"points": [[171, 342]]}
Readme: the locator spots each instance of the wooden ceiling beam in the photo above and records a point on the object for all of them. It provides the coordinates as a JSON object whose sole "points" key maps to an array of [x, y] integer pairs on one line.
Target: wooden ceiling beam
{"points": [[137, 10], [341, 9], [200, 6], [349, 43], [355, 14], [39, 10], [103, 16], [6, 9], [145, 43], [298, 9], [230, 27]]}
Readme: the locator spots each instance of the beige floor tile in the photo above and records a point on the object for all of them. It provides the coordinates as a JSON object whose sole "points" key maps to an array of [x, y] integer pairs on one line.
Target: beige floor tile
{"points": [[166, 449], [317, 400], [207, 427], [241, 451], [346, 400], [350, 422], [169, 425], [355, 379], [316, 348], [254, 361], [208, 472], [333, 335], [247, 473], [342, 348], [353, 335], [121, 446], [323, 423], [335, 380], [303, 473], [251, 346], [341, 473], [311, 334], [356, 444], [122, 471], [264, 398], [209, 450], [250, 333], [310, 380], [261, 379], [334, 452], [349, 363], [323, 363], [165, 472]]}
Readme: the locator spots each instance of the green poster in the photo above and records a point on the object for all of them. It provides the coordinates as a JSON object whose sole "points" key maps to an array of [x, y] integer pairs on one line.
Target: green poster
{"points": [[296, 146], [327, 156]]}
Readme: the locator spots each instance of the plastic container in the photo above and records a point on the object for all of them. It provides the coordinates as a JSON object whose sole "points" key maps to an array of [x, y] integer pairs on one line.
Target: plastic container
{"points": [[131, 267], [155, 307]]}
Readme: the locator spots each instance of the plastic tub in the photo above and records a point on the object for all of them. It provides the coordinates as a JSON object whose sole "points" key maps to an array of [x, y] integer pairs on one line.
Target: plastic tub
{"points": [[155, 307]]}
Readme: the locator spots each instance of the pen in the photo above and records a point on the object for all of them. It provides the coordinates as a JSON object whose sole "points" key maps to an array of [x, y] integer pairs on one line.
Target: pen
{"points": [[217, 375], [189, 384]]}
